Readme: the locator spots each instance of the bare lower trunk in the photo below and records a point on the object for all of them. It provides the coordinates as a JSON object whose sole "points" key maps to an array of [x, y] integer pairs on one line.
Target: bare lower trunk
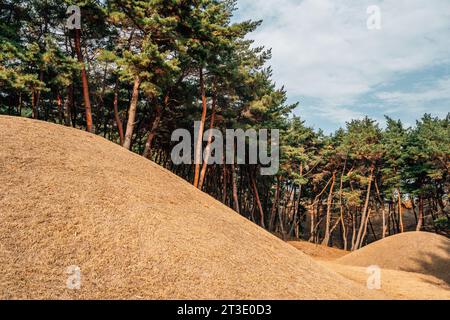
{"points": [[353, 230], [225, 176], [235, 195], [326, 239], [420, 219], [364, 213], [36, 97], [60, 110], [132, 114], [258, 202], [341, 207], [116, 114], [400, 210], [312, 225], [208, 146], [68, 106], [84, 80], [275, 204], [365, 227], [383, 213], [198, 145]]}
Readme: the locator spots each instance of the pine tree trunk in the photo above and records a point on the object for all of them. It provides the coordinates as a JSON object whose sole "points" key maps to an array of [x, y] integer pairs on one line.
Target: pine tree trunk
{"points": [[36, 97], [326, 238], [258, 202], [225, 177], [341, 208], [235, 194], [87, 101], [275, 204], [353, 230], [364, 213], [19, 107], [420, 220], [132, 113], [116, 113], [208, 146], [68, 106], [383, 213], [199, 143], [400, 210], [60, 111], [312, 223], [365, 227]]}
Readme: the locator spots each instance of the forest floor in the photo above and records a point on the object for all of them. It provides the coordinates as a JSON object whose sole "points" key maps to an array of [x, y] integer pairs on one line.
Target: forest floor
{"points": [[134, 230]]}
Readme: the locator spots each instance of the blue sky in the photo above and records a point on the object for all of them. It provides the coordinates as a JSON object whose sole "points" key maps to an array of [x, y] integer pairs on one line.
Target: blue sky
{"points": [[338, 69]]}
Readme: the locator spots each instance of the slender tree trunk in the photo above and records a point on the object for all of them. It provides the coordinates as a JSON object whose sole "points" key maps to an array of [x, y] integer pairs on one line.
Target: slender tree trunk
{"points": [[326, 238], [365, 227], [383, 213], [341, 207], [208, 146], [258, 201], [60, 111], [198, 145], [235, 194], [400, 210], [152, 132], [297, 203], [312, 223], [100, 112], [19, 109], [225, 177], [84, 79], [353, 229], [364, 213], [132, 113], [36, 97], [420, 220], [68, 106], [116, 113], [153, 128], [275, 204]]}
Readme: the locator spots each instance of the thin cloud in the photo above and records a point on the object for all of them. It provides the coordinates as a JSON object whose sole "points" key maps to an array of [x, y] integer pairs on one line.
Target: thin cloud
{"points": [[322, 49]]}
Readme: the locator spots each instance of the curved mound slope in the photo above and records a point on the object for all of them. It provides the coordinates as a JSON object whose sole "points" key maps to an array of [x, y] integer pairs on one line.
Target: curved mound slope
{"points": [[419, 252], [135, 230], [318, 251], [398, 284]]}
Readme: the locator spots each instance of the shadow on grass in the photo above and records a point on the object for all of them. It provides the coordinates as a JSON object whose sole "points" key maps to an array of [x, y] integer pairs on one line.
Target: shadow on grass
{"points": [[435, 264]]}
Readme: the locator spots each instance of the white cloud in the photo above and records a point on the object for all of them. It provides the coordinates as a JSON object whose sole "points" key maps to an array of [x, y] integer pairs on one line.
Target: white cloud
{"points": [[323, 49], [419, 98]]}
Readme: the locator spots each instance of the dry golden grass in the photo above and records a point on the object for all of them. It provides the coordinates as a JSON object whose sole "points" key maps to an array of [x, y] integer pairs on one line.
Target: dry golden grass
{"points": [[419, 252], [398, 284], [68, 197], [395, 284]]}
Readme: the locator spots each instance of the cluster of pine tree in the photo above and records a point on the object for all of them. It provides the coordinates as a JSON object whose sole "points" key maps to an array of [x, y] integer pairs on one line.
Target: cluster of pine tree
{"points": [[138, 70]]}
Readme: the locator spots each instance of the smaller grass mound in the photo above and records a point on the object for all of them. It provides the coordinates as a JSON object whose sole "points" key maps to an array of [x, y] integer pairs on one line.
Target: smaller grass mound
{"points": [[419, 252]]}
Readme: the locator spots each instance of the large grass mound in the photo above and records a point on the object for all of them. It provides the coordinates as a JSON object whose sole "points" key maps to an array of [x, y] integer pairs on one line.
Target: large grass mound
{"points": [[419, 252], [135, 230]]}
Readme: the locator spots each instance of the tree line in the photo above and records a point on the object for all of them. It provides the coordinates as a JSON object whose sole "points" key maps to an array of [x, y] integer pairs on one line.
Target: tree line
{"points": [[138, 70]]}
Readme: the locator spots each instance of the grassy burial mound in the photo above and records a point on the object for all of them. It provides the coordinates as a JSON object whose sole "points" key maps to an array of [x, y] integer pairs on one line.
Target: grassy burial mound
{"points": [[134, 230], [419, 252]]}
